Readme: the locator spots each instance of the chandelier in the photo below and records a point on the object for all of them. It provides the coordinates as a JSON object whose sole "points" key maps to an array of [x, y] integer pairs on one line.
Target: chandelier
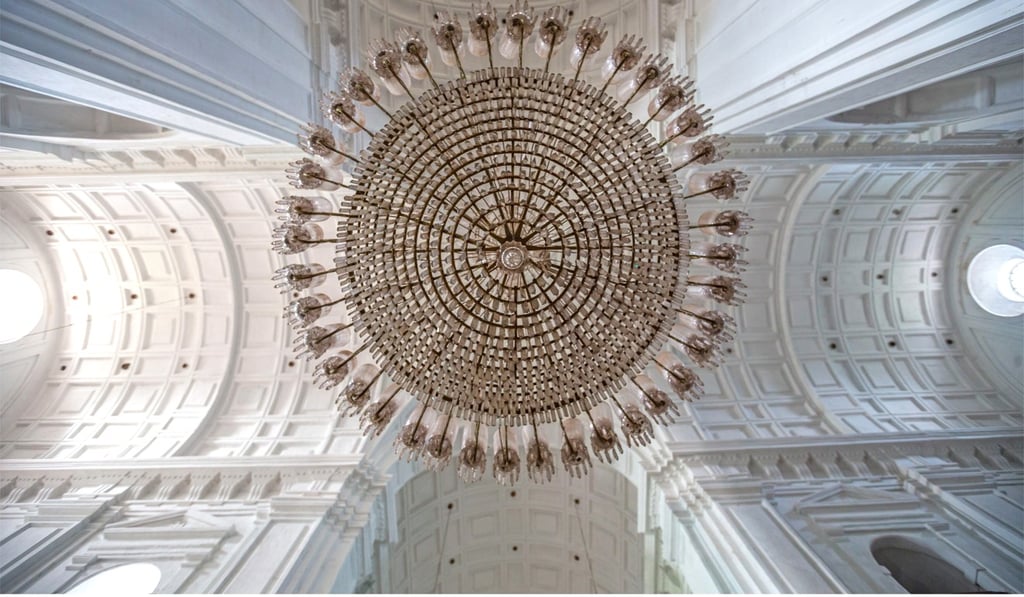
{"points": [[512, 247]]}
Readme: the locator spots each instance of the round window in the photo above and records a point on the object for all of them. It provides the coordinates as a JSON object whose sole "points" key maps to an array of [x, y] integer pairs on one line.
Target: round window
{"points": [[995, 279], [21, 305]]}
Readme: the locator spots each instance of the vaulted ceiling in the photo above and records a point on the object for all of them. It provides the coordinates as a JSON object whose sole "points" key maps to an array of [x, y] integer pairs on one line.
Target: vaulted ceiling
{"points": [[164, 335]]}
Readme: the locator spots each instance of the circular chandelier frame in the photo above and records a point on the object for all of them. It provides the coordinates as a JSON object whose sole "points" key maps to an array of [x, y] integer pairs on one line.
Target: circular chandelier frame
{"points": [[513, 248]]}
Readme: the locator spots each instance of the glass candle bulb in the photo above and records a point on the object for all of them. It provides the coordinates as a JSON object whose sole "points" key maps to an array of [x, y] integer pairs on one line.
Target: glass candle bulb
{"points": [[540, 465], [415, 53], [299, 210], [649, 75], [299, 276], [342, 111], [552, 29], [448, 36], [303, 311], [472, 455], [483, 28], [722, 185], [518, 27], [437, 452], [589, 38], [575, 456], [378, 414], [290, 239], [356, 392], [358, 86], [623, 58], [671, 96], [385, 60], [691, 122], [506, 466], [636, 427], [603, 440], [333, 370], [412, 438]]}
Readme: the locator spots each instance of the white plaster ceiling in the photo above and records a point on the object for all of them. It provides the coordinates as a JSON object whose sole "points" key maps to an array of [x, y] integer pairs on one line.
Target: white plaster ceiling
{"points": [[525, 539], [169, 334], [242, 393], [867, 270]]}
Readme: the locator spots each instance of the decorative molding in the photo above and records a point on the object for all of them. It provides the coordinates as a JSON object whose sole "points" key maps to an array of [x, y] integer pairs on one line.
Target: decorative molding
{"points": [[160, 164]]}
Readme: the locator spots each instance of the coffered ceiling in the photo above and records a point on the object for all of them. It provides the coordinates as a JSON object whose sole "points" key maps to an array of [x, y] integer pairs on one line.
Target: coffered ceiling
{"points": [[164, 334]]}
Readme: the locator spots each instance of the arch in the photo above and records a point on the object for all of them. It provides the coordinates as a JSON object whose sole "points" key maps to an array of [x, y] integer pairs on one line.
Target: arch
{"points": [[565, 536], [917, 568], [139, 578]]}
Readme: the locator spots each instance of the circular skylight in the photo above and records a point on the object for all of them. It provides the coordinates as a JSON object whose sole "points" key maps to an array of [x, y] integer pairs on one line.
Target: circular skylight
{"points": [[137, 579], [995, 279], [21, 305]]}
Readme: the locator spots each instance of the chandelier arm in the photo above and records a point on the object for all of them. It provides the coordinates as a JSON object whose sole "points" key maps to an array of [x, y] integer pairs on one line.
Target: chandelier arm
{"points": [[590, 143], [551, 51], [590, 193], [691, 160], [501, 206], [643, 390], [618, 66], [673, 137], [628, 416], [670, 372], [334, 302], [487, 36], [385, 402], [449, 160], [325, 179], [682, 342], [653, 116], [426, 68], [337, 151], [355, 120], [380, 107], [430, 225], [322, 241], [365, 390], [568, 441], [705, 192], [713, 257], [316, 213], [536, 436], [522, 40], [691, 283], [490, 180], [695, 226], [695, 315], [405, 87], [639, 89], [309, 276], [458, 60]]}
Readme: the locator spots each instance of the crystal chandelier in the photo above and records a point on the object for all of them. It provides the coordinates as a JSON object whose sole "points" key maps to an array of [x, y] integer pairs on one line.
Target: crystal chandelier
{"points": [[513, 250]]}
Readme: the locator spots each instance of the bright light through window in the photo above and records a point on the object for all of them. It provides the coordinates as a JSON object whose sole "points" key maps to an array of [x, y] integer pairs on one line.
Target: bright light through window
{"points": [[130, 579], [995, 279], [21, 305]]}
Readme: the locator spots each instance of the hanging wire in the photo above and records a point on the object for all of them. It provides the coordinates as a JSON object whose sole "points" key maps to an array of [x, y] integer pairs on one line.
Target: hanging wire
{"points": [[94, 316], [586, 550], [440, 556]]}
